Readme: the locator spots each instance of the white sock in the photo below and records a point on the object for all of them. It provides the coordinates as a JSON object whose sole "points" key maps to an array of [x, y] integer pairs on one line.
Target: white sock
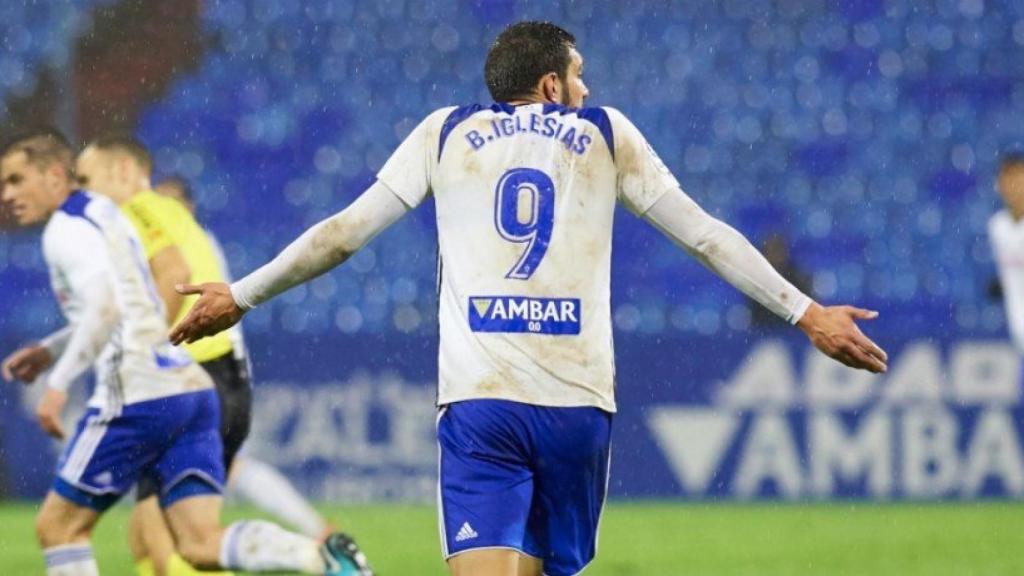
{"points": [[70, 560], [262, 485], [258, 546]]}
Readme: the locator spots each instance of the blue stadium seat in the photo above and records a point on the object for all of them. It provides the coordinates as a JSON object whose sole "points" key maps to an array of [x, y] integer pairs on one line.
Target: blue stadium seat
{"points": [[848, 129], [867, 132]]}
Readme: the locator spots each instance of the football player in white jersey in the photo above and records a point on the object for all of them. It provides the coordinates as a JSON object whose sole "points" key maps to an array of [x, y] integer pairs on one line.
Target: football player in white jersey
{"points": [[154, 411], [1006, 233], [525, 191]]}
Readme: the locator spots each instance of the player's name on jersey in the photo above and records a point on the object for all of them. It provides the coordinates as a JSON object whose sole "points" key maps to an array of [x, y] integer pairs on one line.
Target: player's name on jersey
{"points": [[535, 125], [524, 314]]}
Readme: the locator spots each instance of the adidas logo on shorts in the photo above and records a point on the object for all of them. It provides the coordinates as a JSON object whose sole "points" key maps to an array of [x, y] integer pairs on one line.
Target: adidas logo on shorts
{"points": [[465, 533]]}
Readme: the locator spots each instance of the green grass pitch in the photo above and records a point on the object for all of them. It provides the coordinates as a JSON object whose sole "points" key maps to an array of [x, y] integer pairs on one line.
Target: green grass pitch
{"points": [[667, 539]]}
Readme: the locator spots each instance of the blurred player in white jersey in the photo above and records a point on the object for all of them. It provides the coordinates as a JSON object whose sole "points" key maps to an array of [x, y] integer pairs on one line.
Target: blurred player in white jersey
{"points": [[178, 251], [1006, 233], [254, 480], [153, 412], [525, 191]]}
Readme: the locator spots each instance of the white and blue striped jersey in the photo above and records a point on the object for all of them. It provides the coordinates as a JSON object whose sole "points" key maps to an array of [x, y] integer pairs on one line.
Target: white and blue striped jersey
{"points": [[525, 199], [116, 318], [1007, 238]]}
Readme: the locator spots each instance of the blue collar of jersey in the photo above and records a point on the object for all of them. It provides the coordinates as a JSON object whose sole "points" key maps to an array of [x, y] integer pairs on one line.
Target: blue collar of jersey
{"points": [[75, 203], [549, 107]]}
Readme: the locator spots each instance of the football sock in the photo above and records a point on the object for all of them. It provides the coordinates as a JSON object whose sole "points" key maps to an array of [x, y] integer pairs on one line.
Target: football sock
{"points": [[177, 566], [259, 546], [263, 486], [70, 560], [144, 567]]}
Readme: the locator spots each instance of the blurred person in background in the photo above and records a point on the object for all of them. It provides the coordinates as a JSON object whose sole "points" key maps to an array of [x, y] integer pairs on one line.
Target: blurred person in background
{"points": [[1006, 234], [179, 251], [252, 479], [153, 413]]}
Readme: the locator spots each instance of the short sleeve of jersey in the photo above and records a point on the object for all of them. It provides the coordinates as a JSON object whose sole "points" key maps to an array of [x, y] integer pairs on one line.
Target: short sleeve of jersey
{"points": [[642, 177], [150, 225], [408, 171], [78, 251]]}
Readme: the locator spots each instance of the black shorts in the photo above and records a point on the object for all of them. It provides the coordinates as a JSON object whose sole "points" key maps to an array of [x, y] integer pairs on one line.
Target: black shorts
{"points": [[234, 390]]}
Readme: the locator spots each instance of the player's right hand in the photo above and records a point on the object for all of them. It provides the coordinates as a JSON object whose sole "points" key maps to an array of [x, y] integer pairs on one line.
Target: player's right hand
{"points": [[26, 364], [214, 312], [833, 330], [49, 411]]}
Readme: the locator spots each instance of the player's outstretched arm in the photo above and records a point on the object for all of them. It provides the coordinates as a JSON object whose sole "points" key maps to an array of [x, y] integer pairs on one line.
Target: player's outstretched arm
{"points": [[728, 253], [649, 189], [322, 247]]}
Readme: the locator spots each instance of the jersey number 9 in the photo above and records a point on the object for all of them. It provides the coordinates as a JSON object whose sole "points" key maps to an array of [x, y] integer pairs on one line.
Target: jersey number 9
{"points": [[524, 213]]}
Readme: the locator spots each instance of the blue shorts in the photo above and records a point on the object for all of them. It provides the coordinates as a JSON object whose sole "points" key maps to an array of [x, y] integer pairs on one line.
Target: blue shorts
{"points": [[528, 478], [174, 439]]}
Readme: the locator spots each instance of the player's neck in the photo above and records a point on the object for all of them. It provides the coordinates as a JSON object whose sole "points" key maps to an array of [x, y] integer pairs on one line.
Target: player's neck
{"points": [[57, 200], [531, 99], [522, 102], [127, 194], [121, 196]]}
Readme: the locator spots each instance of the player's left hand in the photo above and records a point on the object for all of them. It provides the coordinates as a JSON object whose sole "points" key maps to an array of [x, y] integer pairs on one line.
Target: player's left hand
{"points": [[26, 364], [49, 411], [214, 312], [834, 331]]}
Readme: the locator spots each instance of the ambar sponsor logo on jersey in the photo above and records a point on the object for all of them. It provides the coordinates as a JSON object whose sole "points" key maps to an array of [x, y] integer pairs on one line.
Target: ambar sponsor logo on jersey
{"points": [[524, 314]]}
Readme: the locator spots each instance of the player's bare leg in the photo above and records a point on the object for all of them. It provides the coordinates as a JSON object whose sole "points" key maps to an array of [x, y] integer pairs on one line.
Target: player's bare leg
{"points": [[530, 566], [152, 545], [137, 549], [494, 562], [195, 524], [63, 529], [61, 522], [148, 535], [253, 545]]}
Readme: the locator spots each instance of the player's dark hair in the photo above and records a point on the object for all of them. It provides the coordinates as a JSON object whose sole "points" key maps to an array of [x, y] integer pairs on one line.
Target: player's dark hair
{"points": [[1011, 160], [125, 144], [522, 54], [43, 146], [181, 184]]}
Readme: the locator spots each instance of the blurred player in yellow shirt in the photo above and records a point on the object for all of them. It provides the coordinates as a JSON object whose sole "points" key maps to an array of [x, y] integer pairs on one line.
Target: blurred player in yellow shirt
{"points": [[256, 481], [119, 167], [179, 251]]}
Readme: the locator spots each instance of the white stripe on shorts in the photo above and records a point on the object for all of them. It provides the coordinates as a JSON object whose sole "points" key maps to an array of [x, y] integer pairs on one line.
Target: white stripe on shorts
{"points": [[84, 448], [440, 501]]}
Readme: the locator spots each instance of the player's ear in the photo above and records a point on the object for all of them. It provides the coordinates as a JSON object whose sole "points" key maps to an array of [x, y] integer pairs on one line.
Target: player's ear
{"points": [[54, 175], [124, 167], [551, 87]]}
